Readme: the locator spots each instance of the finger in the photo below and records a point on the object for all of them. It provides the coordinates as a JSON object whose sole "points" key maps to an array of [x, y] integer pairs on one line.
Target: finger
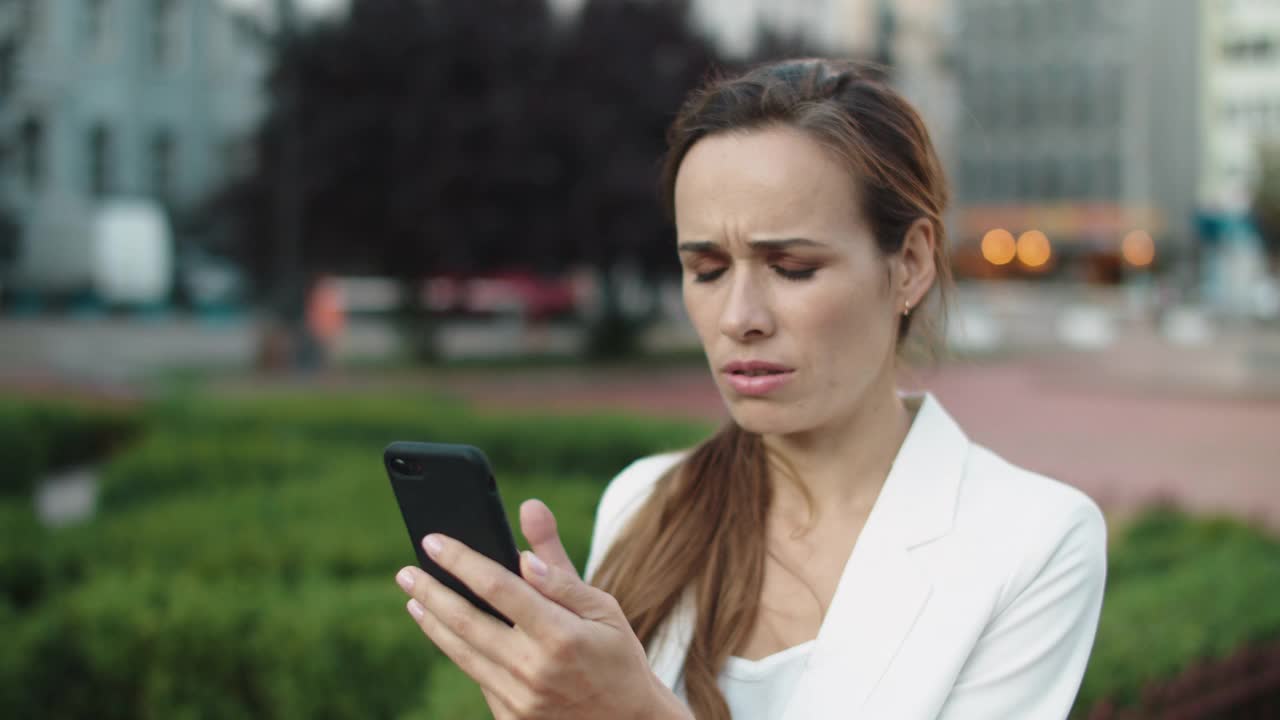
{"points": [[500, 708], [477, 628], [495, 681], [539, 527], [567, 589], [503, 589]]}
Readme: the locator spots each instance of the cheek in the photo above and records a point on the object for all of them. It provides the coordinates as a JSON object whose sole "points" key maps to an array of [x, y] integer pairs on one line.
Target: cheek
{"points": [[846, 326]]}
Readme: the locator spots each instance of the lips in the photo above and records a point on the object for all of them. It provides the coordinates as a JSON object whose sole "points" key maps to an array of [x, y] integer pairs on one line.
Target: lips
{"points": [[754, 367], [756, 377]]}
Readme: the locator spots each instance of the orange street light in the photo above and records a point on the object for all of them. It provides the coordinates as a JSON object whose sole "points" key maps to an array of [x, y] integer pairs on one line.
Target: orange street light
{"points": [[1138, 249], [1033, 249], [998, 247]]}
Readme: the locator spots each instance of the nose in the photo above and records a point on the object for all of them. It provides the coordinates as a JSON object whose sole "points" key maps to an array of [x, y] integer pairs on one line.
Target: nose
{"points": [[746, 314]]}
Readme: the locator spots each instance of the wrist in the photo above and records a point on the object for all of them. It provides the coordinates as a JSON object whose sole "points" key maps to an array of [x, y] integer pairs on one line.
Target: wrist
{"points": [[665, 706]]}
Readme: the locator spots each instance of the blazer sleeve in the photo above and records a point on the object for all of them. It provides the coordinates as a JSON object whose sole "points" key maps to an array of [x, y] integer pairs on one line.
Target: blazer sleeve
{"points": [[1029, 660]]}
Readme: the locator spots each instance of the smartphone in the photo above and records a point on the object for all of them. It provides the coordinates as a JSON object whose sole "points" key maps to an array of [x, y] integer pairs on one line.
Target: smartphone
{"points": [[450, 489]]}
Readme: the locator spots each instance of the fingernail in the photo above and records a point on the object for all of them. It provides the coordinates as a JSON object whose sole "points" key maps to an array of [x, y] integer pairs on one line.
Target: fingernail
{"points": [[432, 545], [415, 609], [405, 578], [535, 563]]}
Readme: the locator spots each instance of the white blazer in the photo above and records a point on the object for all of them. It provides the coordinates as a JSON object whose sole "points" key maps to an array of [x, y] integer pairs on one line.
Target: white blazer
{"points": [[972, 593]]}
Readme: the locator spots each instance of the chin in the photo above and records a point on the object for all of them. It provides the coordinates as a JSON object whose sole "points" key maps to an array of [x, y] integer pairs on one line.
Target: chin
{"points": [[765, 417]]}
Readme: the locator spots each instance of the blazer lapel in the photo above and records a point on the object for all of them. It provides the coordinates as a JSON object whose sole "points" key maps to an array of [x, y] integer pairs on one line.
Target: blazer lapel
{"points": [[882, 588]]}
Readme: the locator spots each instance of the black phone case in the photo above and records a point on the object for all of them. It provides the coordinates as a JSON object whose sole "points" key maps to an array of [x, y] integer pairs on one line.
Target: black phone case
{"points": [[450, 489]]}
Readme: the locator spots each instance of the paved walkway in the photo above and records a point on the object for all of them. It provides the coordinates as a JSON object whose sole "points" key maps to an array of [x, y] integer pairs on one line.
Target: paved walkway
{"points": [[1137, 422], [1126, 446]]}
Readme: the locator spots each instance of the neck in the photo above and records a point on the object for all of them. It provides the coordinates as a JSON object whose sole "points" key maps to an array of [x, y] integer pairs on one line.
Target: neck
{"points": [[840, 467]]}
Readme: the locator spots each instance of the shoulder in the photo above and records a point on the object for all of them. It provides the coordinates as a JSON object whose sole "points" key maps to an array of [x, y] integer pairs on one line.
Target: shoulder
{"points": [[1031, 524], [1019, 499], [625, 494], [630, 488]]}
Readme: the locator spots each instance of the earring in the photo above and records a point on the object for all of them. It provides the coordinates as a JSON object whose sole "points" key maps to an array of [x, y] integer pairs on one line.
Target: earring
{"points": [[907, 310]]}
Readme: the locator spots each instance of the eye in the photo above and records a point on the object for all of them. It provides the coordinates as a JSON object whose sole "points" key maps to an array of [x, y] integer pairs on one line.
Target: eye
{"points": [[708, 276], [789, 274]]}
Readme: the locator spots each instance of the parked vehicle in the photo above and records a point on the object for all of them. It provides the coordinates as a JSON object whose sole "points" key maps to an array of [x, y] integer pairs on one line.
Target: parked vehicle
{"points": [[119, 252]]}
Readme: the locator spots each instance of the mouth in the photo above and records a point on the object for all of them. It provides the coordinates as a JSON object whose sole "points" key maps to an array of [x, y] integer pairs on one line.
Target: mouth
{"points": [[755, 368], [756, 378]]}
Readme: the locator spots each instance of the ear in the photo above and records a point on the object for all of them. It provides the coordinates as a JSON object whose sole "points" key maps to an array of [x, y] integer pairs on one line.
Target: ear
{"points": [[915, 268]]}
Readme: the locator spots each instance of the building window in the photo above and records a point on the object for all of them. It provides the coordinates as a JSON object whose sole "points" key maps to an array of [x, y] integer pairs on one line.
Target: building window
{"points": [[100, 161], [31, 135], [1110, 181], [162, 164], [8, 57], [1254, 48], [95, 24], [164, 31], [1051, 180], [29, 25]]}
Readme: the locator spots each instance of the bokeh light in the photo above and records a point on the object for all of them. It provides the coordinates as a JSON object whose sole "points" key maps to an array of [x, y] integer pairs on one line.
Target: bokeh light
{"points": [[1034, 249], [1138, 249], [999, 247]]}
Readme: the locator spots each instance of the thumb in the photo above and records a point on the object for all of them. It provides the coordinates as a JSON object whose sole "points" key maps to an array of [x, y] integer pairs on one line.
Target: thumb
{"points": [[539, 528], [548, 567]]}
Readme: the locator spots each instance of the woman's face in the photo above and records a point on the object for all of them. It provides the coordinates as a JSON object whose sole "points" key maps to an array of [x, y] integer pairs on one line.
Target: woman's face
{"points": [[783, 281]]}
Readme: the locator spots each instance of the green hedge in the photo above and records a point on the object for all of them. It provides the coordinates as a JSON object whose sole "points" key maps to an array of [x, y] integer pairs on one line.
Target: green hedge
{"points": [[593, 444], [242, 564], [40, 436], [129, 645], [340, 523], [1180, 590], [181, 460], [200, 441], [243, 557]]}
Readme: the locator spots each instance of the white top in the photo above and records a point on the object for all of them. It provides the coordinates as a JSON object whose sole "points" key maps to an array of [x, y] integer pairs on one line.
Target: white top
{"points": [[760, 689], [972, 592]]}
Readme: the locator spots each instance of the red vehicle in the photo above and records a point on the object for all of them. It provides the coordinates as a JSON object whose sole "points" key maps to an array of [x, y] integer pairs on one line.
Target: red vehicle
{"points": [[535, 296]]}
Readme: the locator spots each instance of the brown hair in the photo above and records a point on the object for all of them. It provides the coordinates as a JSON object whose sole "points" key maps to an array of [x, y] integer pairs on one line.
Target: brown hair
{"points": [[703, 526]]}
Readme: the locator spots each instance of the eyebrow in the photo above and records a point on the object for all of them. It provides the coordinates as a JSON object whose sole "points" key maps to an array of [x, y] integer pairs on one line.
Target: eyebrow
{"points": [[703, 246]]}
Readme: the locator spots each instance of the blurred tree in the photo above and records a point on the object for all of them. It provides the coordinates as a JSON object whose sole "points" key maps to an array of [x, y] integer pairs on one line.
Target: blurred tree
{"points": [[621, 76], [445, 136], [408, 119], [1266, 200], [773, 44]]}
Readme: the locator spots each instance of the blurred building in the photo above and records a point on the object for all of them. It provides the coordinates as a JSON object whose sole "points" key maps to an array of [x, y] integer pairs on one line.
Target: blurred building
{"points": [[1241, 56], [108, 99], [1080, 124], [914, 37]]}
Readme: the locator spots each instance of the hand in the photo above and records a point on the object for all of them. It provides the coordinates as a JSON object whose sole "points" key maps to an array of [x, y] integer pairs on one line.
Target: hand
{"points": [[571, 654]]}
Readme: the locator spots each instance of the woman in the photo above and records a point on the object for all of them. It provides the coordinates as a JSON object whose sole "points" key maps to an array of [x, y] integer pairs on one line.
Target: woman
{"points": [[837, 549]]}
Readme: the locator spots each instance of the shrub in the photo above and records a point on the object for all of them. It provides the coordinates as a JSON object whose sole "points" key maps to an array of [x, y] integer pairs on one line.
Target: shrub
{"points": [[41, 436], [149, 646], [171, 461], [338, 524], [1180, 590], [598, 444], [243, 557], [245, 552]]}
